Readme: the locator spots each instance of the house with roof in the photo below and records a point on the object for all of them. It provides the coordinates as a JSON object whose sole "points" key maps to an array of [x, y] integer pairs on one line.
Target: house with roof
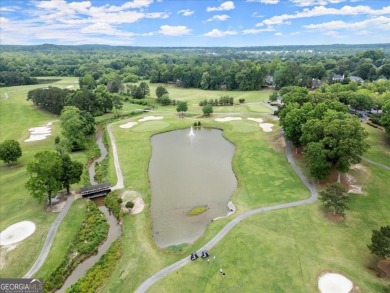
{"points": [[337, 77]]}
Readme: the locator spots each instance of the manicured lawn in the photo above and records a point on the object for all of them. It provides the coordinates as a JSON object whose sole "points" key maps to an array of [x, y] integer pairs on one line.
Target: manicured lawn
{"points": [[286, 250], [379, 142], [16, 116], [66, 232]]}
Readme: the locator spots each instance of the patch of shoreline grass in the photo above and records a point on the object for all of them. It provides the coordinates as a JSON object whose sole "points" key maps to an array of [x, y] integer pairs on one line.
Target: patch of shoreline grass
{"points": [[197, 210]]}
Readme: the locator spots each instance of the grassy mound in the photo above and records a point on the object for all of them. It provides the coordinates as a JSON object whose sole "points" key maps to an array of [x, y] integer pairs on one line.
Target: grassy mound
{"points": [[197, 210]]}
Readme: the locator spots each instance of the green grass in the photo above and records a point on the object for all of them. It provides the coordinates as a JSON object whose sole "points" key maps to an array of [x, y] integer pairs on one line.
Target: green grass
{"points": [[197, 210], [280, 251], [65, 234], [379, 142], [16, 116], [286, 250]]}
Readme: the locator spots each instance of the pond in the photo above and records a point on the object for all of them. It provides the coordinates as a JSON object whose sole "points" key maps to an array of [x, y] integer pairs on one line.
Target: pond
{"points": [[188, 169]]}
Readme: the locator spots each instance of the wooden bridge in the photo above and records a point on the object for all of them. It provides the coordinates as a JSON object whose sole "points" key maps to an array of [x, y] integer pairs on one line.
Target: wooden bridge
{"points": [[96, 190]]}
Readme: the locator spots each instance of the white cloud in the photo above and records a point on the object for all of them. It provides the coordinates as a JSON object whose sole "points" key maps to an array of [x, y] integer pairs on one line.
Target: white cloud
{"points": [[315, 2], [278, 34], [333, 34], [257, 15], [321, 10], [3, 20], [104, 28], [265, 1], [186, 12], [221, 17], [229, 5], [381, 22], [175, 31], [257, 31], [9, 8], [215, 33], [363, 33]]}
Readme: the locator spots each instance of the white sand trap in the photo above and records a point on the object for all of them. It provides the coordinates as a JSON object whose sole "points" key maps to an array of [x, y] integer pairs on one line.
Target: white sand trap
{"points": [[227, 119], [128, 125], [148, 118], [258, 120], [16, 232], [138, 206], [334, 283], [267, 127], [39, 133]]}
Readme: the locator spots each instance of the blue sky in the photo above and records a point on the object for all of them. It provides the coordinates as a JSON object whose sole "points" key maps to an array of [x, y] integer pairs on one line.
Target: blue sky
{"points": [[194, 23]]}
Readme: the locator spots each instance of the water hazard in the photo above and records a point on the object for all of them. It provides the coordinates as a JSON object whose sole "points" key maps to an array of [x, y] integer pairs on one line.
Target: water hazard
{"points": [[189, 168]]}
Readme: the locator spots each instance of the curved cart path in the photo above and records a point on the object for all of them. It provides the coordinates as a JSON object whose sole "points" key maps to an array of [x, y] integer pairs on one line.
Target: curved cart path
{"points": [[375, 163], [119, 184], [49, 239], [313, 197]]}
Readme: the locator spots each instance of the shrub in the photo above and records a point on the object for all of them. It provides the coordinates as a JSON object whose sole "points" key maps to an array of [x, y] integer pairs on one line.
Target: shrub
{"points": [[129, 204], [93, 231], [113, 204], [241, 101], [100, 272]]}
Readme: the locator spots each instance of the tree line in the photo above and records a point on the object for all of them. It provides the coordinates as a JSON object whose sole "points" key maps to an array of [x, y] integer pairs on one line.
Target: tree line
{"points": [[229, 69]]}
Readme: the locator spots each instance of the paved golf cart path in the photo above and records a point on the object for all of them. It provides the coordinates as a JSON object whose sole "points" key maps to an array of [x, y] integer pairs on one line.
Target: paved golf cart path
{"points": [[375, 163], [313, 197], [49, 239]]}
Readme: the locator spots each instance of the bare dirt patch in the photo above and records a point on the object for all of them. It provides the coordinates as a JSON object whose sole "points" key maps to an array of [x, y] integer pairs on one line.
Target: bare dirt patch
{"points": [[136, 198], [384, 266], [333, 217]]}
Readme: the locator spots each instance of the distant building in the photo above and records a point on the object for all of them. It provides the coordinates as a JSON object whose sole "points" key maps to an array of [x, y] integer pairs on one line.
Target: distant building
{"points": [[356, 79], [269, 80], [337, 77]]}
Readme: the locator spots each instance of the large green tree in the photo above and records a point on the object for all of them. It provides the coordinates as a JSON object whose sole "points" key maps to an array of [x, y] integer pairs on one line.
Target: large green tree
{"points": [[10, 151], [207, 110], [380, 242], [75, 126], [344, 138], [45, 175], [71, 172], [181, 107], [315, 159], [336, 198], [160, 91]]}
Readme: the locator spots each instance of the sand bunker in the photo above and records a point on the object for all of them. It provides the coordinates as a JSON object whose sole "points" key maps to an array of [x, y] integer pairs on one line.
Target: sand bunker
{"points": [[148, 118], [227, 119], [334, 283], [136, 198], [267, 127], [128, 125], [16, 232], [39, 133], [258, 120], [138, 206]]}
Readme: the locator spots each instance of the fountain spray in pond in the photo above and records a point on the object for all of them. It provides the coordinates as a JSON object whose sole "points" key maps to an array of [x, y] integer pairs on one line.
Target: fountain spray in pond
{"points": [[191, 132]]}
